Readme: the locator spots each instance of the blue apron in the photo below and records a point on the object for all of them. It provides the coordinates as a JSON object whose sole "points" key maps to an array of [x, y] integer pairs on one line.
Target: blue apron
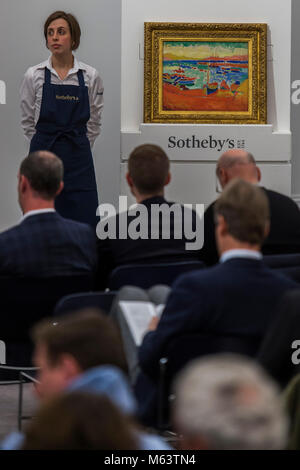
{"points": [[61, 129]]}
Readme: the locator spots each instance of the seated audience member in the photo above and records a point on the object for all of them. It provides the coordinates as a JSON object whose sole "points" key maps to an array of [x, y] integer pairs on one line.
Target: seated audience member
{"points": [[148, 174], [235, 298], [280, 351], [227, 402], [44, 244], [82, 351], [80, 421], [284, 236], [70, 347]]}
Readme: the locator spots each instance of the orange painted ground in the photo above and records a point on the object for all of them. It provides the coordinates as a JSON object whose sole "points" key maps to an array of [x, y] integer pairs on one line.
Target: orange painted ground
{"points": [[175, 99]]}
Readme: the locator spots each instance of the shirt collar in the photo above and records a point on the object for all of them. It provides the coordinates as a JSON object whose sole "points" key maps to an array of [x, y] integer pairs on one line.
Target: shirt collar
{"points": [[35, 212], [239, 253], [153, 200], [76, 66]]}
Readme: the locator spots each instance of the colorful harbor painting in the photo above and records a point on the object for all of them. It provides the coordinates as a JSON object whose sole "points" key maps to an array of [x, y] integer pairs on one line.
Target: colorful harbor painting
{"points": [[205, 76]]}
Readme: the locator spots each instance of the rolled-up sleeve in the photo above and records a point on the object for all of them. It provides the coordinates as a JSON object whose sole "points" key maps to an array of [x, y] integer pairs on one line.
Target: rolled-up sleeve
{"points": [[27, 95], [96, 106]]}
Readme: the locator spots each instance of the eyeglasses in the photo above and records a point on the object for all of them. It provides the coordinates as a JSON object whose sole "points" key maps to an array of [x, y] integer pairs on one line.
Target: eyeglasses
{"points": [[218, 186]]}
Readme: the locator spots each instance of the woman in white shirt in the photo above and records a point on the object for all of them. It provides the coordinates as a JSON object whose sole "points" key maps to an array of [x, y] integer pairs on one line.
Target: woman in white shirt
{"points": [[61, 105]]}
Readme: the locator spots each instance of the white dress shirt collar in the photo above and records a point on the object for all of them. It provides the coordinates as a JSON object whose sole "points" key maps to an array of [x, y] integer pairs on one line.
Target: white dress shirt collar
{"points": [[239, 253], [76, 66], [36, 211]]}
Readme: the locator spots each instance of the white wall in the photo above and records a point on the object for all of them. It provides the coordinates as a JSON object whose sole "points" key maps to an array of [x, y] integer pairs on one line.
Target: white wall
{"points": [[271, 143], [21, 45], [275, 13], [200, 181]]}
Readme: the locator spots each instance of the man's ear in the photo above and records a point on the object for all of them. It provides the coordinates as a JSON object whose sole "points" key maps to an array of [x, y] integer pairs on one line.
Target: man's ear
{"points": [[222, 225], [23, 183], [223, 177], [258, 174], [69, 366], [61, 187], [226, 177], [130, 184], [129, 180], [168, 179]]}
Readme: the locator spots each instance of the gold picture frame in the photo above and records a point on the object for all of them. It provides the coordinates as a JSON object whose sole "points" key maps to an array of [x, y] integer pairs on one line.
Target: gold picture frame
{"points": [[205, 73]]}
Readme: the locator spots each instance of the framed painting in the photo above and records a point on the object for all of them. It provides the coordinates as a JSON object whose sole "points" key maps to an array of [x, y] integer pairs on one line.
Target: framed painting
{"points": [[205, 73]]}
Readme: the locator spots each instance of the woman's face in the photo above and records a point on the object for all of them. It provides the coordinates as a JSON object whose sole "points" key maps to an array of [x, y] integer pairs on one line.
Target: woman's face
{"points": [[59, 38]]}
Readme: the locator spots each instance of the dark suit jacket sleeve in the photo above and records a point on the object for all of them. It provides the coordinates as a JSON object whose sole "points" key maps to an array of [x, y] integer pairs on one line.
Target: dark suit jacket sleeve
{"points": [[209, 253], [178, 316], [93, 247], [105, 263], [284, 236], [276, 351]]}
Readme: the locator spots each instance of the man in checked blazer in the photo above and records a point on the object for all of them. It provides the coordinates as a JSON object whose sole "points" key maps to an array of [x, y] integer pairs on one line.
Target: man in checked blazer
{"points": [[44, 244]]}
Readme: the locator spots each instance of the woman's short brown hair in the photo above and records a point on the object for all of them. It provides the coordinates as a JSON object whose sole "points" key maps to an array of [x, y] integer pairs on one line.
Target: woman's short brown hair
{"points": [[73, 25]]}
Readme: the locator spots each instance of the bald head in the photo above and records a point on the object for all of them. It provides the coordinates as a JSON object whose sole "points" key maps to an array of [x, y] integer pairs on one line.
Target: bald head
{"points": [[237, 163], [44, 172]]}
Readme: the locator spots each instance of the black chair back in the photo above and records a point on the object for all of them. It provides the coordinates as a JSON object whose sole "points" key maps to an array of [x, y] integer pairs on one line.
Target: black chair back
{"points": [[148, 275], [73, 302], [25, 301]]}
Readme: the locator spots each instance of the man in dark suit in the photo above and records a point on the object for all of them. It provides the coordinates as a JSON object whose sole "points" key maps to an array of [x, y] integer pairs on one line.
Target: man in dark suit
{"points": [[280, 350], [235, 298], [44, 244], [148, 174], [284, 236]]}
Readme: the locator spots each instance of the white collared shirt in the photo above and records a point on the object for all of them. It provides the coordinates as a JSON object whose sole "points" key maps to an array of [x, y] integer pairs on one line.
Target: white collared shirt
{"points": [[36, 211], [31, 91], [239, 253]]}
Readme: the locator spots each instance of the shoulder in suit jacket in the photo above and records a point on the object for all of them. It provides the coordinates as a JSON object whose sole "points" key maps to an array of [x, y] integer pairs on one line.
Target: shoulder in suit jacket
{"points": [[237, 297], [47, 245], [118, 251], [284, 236], [276, 351]]}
